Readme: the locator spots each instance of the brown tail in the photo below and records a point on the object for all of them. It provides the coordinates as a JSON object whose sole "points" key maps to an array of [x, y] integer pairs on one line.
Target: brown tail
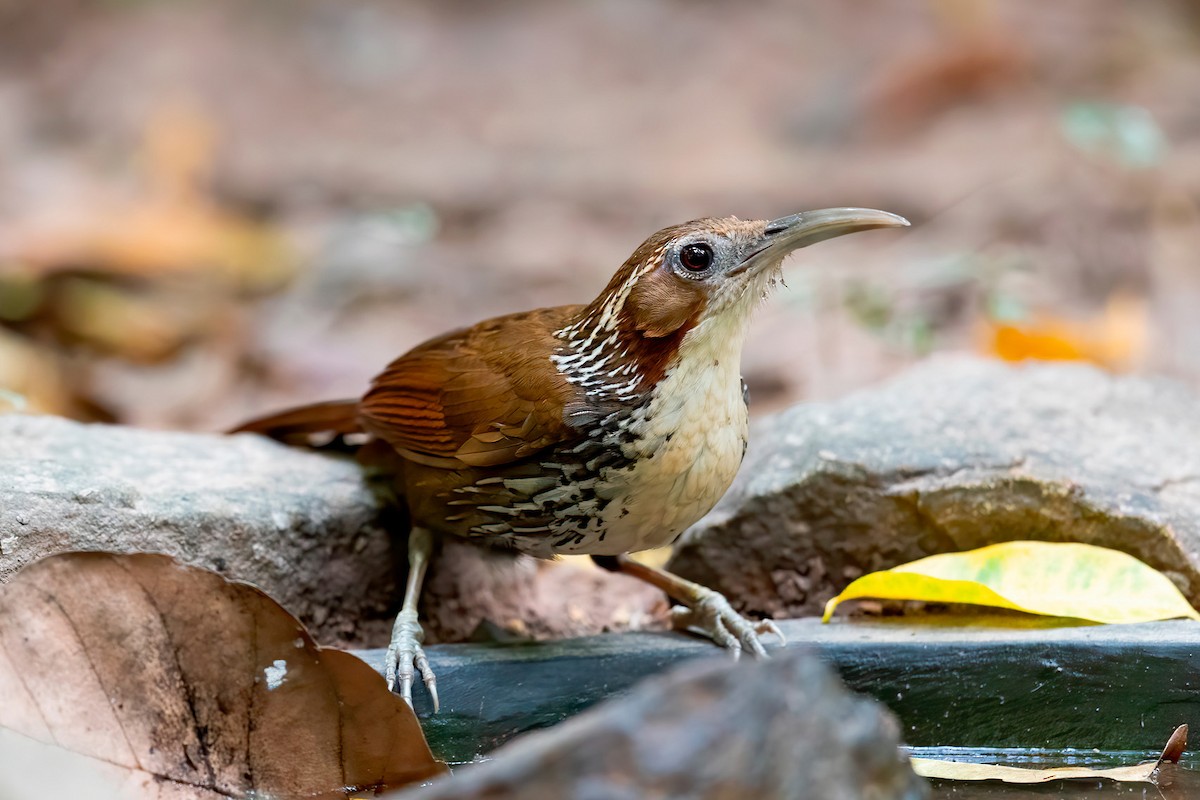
{"points": [[310, 426]]}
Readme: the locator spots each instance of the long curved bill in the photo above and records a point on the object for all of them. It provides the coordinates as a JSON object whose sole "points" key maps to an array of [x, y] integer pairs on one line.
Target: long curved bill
{"points": [[786, 234]]}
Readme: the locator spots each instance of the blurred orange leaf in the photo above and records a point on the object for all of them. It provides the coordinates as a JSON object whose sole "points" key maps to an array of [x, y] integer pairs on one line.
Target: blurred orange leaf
{"points": [[30, 380], [141, 328], [154, 237], [170, 227], [909, 92], [1116, 338]]}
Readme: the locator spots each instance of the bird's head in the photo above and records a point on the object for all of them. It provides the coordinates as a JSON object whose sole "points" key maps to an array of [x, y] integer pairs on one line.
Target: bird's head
{"points": [[700, 281], [709, 269]]}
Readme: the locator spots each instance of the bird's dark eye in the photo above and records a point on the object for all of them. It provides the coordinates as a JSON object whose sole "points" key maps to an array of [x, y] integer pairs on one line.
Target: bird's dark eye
{"points": [[696, 257]]}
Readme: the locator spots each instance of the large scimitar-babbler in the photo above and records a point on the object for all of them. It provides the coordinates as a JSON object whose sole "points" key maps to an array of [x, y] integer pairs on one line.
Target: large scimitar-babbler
{"points": [[602, 429]]}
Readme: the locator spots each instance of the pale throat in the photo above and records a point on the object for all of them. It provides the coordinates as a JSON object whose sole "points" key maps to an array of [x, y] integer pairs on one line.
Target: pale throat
{"points": [[685, 444], [682, 441], [701, 393]]}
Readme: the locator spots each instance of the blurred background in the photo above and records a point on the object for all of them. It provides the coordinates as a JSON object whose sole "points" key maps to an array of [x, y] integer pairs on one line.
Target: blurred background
{"points": [[212, 208]]}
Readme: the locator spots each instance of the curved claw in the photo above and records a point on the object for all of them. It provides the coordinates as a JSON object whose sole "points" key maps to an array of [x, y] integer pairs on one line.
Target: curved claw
{"points": [[427, 677], [405, 657], [767, 627], [714, 617]]}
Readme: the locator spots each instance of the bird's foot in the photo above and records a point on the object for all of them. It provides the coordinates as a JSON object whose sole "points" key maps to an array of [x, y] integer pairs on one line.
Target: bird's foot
{"points": [[712, 615], [405, 657]]}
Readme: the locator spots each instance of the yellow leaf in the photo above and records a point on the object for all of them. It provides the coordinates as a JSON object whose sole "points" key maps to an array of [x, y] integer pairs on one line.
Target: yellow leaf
{"points": [[969, 771], [1054, 579]]}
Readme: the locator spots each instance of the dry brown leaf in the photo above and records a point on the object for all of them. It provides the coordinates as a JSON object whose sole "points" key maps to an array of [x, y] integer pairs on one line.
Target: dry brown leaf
{"points": [[144, 328], [1175, 746], [30, 380], [173, 680], [154, 238], [968, 771], [170, 227], [973, 63]]}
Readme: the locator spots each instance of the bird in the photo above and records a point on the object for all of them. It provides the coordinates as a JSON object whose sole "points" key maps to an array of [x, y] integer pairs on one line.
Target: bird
{"points": [[601, 429]]}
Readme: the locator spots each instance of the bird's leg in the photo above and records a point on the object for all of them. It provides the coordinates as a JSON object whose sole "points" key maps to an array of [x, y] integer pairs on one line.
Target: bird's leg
{"points": [[405, 652], [701, 609]]}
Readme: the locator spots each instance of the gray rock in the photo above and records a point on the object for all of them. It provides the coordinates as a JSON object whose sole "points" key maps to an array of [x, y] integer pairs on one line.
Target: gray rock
{"points": [[305, 527], [777, 729], [302, 526], [953, 455]]}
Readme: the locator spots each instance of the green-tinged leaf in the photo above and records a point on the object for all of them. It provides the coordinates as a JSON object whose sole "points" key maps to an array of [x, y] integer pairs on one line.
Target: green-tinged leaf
{"points": [[11, 401], [1054, 579], [1128, 135]]}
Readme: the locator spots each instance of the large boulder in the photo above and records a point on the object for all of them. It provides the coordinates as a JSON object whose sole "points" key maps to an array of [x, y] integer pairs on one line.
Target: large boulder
{"points": [[781, 728], [952, 455], [305, 527]]}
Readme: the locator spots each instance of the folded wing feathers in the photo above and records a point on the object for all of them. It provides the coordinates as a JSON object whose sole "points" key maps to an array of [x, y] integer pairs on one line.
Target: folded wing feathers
{"points": [[476, 405]]}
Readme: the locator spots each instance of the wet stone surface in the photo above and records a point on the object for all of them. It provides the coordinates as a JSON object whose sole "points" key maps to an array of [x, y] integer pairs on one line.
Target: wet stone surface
{"points": [[710, 729], [987, 681]]}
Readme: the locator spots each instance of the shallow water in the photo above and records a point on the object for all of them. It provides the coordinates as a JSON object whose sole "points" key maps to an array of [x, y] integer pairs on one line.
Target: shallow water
{"points": [[1176, 782]]}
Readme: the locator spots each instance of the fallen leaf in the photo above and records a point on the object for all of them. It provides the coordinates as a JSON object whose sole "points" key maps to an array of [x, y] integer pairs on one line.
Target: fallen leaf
{"points": [[140, 328], [1116, 338], [969, 771], [31, 380], [33, 769], [153, 238], [913, 90], [1175, 746], [171, 226], [1049, 578], [175, 682]]}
